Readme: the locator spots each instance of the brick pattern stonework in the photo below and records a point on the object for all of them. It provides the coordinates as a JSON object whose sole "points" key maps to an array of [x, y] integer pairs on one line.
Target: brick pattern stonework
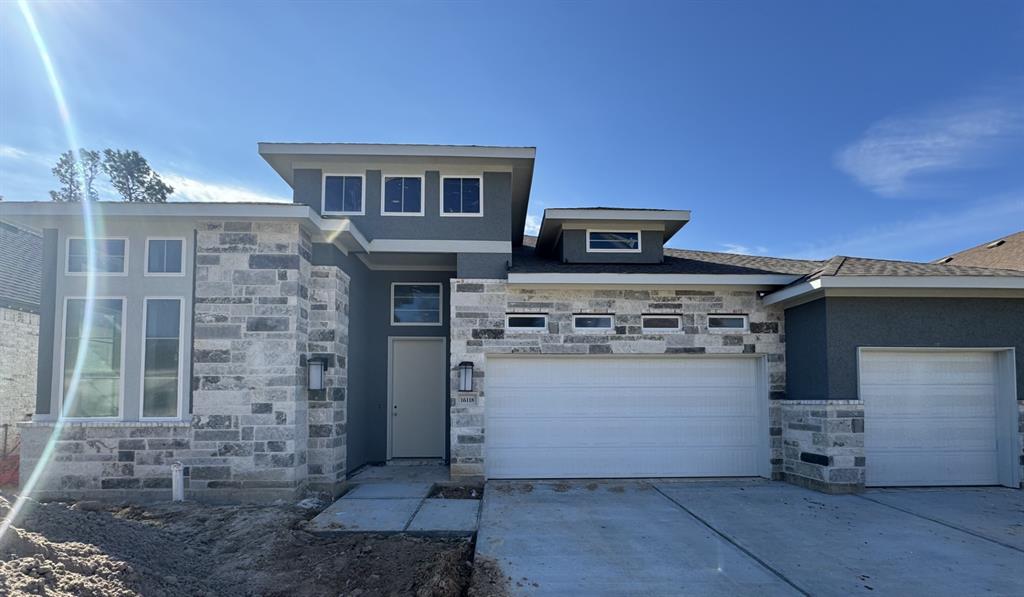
{"points": [[823, 444], [19, 342], [328, 339], [478, 309]]}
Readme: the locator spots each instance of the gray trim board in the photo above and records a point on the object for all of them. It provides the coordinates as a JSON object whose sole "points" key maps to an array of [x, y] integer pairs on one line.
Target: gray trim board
{"points": [[47, 322]]}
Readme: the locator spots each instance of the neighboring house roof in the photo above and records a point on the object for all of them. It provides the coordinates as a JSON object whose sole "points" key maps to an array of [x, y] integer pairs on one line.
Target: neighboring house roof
{"points": [[1004, 253], [21, 254]]}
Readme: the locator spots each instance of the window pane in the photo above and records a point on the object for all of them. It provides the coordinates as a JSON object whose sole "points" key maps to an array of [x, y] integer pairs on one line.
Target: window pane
{"points": [[417, 303], [333, 186], [172, 263], [99, 368], [353, 194], [470, 196], [157, 256], [732, 323], [161, 397], [527, 321], [452, 195], [162, 317], [392, 194], [615, 241], [411, 194], [593, 322], [659, 323], [161, 357]]}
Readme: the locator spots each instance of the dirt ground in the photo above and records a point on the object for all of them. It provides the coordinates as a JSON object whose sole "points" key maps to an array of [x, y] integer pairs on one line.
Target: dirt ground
{"points": [[91, 549]]}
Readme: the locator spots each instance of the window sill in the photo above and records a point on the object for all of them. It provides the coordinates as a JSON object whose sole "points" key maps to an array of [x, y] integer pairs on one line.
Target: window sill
{"points": [[82, 423]]}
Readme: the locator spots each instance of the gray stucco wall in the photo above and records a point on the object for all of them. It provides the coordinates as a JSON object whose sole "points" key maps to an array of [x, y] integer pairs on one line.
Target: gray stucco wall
{"points": [[495, 224], [574, 249], [483, 265], [912, 322], [47, 321]]}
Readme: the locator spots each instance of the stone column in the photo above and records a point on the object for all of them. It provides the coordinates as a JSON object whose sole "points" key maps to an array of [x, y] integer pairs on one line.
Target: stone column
{"points": [[823, 444]]}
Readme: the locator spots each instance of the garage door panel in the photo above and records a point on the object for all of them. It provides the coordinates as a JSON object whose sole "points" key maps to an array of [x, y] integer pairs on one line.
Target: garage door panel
{"points": [[629, 416], [929, 417], [619, 462]]}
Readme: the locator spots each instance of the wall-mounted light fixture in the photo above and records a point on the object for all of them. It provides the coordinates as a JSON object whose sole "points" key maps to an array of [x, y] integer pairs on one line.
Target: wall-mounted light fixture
{"points": [[317, 369], [465, 376]]}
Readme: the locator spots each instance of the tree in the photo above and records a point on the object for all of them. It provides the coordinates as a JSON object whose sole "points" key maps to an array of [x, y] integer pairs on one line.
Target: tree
{"points": [[131, 176], [73, 174]]}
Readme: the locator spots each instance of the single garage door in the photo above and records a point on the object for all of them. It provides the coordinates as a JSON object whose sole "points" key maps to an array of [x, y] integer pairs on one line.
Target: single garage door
{"points": [[929, 417], [599, 417]]}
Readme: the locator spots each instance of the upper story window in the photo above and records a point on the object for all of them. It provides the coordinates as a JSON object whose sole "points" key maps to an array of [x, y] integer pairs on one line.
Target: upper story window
{"points": [[415, 304], [613, 241], [462, 196], [343, 194], [163, 256], [727, 323], [110, 254], [403, 195], [92, 358]]}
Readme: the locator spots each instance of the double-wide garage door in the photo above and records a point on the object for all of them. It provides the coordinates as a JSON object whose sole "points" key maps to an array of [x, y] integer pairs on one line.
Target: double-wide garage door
{"points": [[601, 417], [930, 417]]}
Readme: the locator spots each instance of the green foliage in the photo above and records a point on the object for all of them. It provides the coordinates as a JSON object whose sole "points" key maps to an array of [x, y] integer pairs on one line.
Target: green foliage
{"points": [[131, 176], [74, 176]]}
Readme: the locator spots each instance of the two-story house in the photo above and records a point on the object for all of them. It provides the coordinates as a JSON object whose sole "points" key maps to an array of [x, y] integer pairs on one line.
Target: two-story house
{"points": [[396, 310]]}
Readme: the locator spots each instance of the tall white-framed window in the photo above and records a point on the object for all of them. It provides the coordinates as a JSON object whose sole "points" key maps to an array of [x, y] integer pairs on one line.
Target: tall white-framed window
{"points": [[343, 195], [165, 256], [526, 322], [401, 195], [593, 323], [416, 303], [92, 358], [110, 256], [657, 324], [162, 357], [728, 324], [613, 241], [462, 196]]}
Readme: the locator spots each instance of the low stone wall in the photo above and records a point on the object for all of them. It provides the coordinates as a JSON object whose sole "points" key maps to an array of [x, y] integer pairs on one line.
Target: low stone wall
{"points": [[19, 344], [478, 309], [823, 444]]}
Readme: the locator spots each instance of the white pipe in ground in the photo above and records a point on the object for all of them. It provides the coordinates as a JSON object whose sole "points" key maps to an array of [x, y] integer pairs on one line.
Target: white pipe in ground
{"points": [[177, 482]]}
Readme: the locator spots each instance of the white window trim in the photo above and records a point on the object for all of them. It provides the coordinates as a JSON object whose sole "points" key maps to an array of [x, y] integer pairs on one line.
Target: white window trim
{"points": [[609, 327], [646, 330], [423, 195], [362, 194], [742, 330], [540, 330], [440, 197], [440, 304], [63, 348], [67, 257], [639, 241], [184, 247], [181, 358]]}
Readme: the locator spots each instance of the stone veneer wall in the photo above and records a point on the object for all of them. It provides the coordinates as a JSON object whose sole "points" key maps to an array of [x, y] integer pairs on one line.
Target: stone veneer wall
{"points": [[19, 342], [328, 338], [823, 444], [478, 309]]}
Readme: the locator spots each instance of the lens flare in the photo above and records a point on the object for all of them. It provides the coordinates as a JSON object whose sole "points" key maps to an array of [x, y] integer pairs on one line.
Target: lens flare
{"points": [[71, 392]]}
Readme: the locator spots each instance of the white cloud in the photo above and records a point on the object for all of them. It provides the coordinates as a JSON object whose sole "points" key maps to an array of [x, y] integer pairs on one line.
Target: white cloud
{"points": [[532, 225], [894, 153], [743, 249], [191, 189], [928, 237], [12, 153]]}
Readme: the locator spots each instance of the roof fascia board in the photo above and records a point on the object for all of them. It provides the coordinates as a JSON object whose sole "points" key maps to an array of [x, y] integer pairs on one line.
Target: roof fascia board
{"points": [[391, 245], [375, 149], [759, 280], [617, 214], [885, 285]]}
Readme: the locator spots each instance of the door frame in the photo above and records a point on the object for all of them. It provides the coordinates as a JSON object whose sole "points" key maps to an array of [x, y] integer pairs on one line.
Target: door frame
{"points": [[390, 383], [763, 391], [1008, 440]]}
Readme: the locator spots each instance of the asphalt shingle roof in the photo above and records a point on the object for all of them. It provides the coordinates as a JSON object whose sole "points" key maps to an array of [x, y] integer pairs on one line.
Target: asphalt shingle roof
{"points": [[1003, 253], [21, 254]]}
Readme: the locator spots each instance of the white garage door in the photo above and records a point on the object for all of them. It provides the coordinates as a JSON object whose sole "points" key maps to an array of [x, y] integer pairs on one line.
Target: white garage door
{"points": [[929, 417], [594, 417]]}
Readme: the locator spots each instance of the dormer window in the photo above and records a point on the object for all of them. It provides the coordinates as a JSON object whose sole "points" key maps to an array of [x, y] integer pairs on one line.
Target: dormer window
{"points": [[462, 196], [613, 241], [343, 195]]}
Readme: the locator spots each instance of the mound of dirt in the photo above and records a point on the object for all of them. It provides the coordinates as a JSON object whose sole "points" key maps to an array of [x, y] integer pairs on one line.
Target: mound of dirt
{"points": [[193, 549]]}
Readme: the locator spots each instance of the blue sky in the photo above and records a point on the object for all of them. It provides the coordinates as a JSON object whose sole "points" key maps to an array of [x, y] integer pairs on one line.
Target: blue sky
{"points": [[801, 129]]}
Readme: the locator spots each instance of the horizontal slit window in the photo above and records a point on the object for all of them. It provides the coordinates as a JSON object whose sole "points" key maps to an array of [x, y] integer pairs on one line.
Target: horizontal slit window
{"points": [[527, 322], [661, 323], [592, 322], [613, 241], [727, 323]]}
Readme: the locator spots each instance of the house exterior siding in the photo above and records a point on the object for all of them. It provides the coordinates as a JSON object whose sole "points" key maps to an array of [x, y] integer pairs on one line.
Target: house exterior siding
{"points": [[19, 342], [478, 309]]}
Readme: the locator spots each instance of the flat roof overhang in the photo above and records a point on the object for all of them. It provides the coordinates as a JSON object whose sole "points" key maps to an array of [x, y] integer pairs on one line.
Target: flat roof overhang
{"points": [[916, 286], [670, 221]]}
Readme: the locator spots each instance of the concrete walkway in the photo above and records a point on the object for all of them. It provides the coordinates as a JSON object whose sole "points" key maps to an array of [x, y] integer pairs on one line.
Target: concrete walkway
{"points": [[751, 537], [393, 499]]}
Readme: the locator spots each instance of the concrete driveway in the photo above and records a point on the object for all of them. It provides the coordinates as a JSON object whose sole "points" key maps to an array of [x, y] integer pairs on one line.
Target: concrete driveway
{"points": [[751, 537]]}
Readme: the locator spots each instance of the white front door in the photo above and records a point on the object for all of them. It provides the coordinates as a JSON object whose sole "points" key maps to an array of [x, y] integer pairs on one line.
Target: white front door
{"points": [[416, 390], [625, 416], [929, 417]]}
